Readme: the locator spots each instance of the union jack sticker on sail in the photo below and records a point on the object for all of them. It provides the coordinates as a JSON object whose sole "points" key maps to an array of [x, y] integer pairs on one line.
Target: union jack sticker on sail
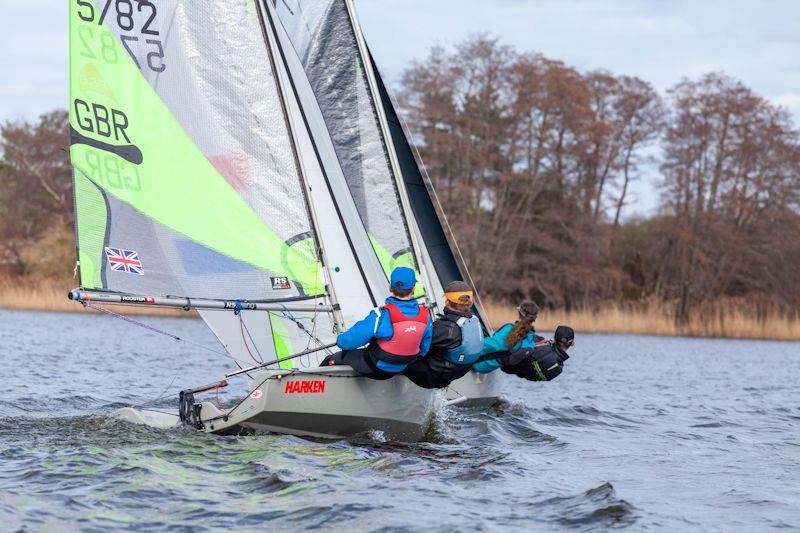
{"points": [[124, 260]]}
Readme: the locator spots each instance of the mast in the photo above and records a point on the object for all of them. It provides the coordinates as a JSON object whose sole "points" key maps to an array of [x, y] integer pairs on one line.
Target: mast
{"points": [[396, 174], [300, 169], [325, 153]]}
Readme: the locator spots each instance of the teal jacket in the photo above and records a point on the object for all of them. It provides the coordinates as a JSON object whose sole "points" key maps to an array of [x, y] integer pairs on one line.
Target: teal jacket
{"points": [[497, 343]]}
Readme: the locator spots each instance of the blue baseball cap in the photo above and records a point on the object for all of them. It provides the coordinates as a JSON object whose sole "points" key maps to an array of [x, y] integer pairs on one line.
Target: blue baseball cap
{"points": [[403, 278]]}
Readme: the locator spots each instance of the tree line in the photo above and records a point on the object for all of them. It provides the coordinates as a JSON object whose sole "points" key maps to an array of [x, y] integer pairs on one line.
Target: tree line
{"points": [[533, 161]]}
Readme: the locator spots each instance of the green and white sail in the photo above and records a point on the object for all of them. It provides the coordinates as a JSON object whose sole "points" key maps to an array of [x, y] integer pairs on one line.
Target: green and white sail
{"points": [[187, 183], [237, 151], [181, 155]]}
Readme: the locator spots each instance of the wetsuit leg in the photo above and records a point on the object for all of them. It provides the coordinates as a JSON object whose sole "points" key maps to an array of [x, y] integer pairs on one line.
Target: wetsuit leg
{"points": [[360, 361], [430, 374], [332, 360], [420, 373]]}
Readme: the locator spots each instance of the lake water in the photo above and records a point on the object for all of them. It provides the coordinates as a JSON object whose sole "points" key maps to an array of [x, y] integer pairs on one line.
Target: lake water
{"points": [[639, 432]]}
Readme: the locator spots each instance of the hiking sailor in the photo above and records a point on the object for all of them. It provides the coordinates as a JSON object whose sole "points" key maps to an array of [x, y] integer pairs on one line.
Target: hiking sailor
{"points": [[545, 361], [456, 345], [389, 338], [510, 338]]}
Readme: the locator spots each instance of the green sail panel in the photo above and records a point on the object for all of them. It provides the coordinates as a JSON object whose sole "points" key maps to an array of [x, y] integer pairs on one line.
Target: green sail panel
{"points": [[206, 209]]}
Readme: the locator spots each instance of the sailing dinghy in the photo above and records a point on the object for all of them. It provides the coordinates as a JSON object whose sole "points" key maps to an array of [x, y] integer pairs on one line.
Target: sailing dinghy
{"points": [[243, 159]]}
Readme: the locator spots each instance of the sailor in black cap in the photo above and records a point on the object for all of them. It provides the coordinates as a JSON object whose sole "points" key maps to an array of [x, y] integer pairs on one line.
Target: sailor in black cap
{"points": [[543, 362]]}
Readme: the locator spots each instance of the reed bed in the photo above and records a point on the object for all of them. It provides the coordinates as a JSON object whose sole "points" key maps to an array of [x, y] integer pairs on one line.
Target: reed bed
{"points": [[728, 319], [723, 319]]}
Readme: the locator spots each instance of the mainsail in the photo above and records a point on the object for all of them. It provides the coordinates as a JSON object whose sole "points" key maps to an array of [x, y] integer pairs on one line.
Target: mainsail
{"points": [[242, 152], [180, 159], [188, 182]]}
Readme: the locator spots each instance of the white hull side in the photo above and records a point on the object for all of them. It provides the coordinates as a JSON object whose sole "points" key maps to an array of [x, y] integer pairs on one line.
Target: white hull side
{"points": [[479, 389], [330, 403]]}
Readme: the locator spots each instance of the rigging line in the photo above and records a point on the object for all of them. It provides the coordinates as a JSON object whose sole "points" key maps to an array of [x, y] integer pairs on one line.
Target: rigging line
{"points": [[250, 336], [155, 330], [163, 393], [313, 328], [312, 334], [242, 329], [449, 387], [288, 315], [232, 409], [424, 170]]}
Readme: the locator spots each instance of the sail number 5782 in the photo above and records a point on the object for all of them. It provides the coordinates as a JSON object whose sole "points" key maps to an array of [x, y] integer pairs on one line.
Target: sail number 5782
{"points": [[126, 17]]}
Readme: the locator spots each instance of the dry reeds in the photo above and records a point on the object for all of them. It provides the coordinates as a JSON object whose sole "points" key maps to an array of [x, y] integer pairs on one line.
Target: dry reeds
{"points": [[722, 319], [732, 319]]}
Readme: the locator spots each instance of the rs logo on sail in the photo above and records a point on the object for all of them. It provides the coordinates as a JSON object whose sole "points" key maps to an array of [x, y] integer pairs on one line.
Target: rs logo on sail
{"points": [[305, 387]]}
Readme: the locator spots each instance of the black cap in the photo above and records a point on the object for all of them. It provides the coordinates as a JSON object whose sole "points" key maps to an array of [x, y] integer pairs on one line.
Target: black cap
{"points": [[564, 335]]}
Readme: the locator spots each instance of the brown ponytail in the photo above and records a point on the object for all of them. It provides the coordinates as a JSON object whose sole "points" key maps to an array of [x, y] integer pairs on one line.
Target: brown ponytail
{"points": [[528, 311]]}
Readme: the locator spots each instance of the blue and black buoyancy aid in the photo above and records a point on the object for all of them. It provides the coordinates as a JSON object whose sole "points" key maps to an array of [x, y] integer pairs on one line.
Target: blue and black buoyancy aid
{"points": [[544, 362], [471, 345]]}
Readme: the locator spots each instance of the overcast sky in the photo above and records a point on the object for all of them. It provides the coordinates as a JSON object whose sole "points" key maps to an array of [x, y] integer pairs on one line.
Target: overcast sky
{"points": [[658, 40]]}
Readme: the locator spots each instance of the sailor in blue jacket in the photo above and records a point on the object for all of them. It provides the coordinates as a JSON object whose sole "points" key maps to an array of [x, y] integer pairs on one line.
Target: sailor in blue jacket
{"points": [[389, 338], [510, 338]]}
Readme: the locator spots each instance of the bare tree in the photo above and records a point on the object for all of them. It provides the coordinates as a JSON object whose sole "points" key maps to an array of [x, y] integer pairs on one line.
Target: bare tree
{"points": [[36, 182]]}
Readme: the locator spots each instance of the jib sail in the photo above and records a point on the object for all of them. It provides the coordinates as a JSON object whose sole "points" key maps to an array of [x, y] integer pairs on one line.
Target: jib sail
{"points": [[324, 38], [370, 140]]}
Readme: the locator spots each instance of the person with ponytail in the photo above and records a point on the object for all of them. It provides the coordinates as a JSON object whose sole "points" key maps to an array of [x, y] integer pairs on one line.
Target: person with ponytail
{"points": [[510, 338]]}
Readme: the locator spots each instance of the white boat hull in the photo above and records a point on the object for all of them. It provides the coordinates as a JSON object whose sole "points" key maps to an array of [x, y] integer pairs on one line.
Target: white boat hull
{"points": [[326, 402], [149, 417], [330, 402], [479, 389]]}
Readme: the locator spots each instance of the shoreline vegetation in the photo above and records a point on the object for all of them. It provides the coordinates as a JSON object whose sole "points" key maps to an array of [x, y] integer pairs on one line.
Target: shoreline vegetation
{"points": [[49, 295], [534, 162], [724, 320]]}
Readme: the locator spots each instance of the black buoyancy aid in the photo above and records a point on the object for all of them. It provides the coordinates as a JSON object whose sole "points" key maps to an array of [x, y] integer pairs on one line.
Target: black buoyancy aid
{"points": [[544, 362], [403, 347]]}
